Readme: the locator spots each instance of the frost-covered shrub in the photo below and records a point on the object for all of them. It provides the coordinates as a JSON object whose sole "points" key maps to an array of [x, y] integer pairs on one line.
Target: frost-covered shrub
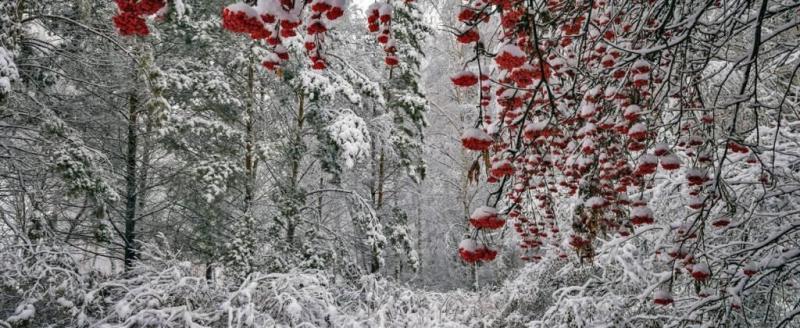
{"points": [[8, 73], [43, 286], [39, 286]]}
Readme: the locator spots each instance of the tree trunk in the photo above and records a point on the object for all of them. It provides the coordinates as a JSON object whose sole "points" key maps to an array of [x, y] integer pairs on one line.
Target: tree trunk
{"points": [[144, 170], [247, 229], [474, 275], [381, 179], [291, 223], [319, 199], [209, 271], [376, 261], [131, 251], [420, 254], [249, 157]]}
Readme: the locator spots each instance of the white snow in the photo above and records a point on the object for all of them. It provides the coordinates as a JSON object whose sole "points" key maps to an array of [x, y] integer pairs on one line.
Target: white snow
{"points": [[536, 126], [662, 294], [638, 64], [386, 9], [670, 159], [8, 71], [483, 212], [351, 133], [695, 172], [475, 133], [637, 128], [595, 202], [701, 268], [661, 147], [294, 310], [24, 311], [588, 109], [641, 211], [632, 109], [648, 159], [243, 8], [587, 129], [511, 49], [468, 245]]}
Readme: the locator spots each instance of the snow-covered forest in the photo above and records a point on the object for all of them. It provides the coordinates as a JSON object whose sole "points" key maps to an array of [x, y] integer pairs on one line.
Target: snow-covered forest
{"points": [[402, 163]]}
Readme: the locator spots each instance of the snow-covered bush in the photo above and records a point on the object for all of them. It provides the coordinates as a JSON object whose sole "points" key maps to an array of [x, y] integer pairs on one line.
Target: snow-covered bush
{"points": [[45, 286], [41, 285], [8, 73]]}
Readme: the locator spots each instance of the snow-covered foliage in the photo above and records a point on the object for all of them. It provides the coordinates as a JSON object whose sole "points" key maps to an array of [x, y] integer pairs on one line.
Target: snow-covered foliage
{"points": [[350, 132], [45, 286], [288, 163], [8, 73]]}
